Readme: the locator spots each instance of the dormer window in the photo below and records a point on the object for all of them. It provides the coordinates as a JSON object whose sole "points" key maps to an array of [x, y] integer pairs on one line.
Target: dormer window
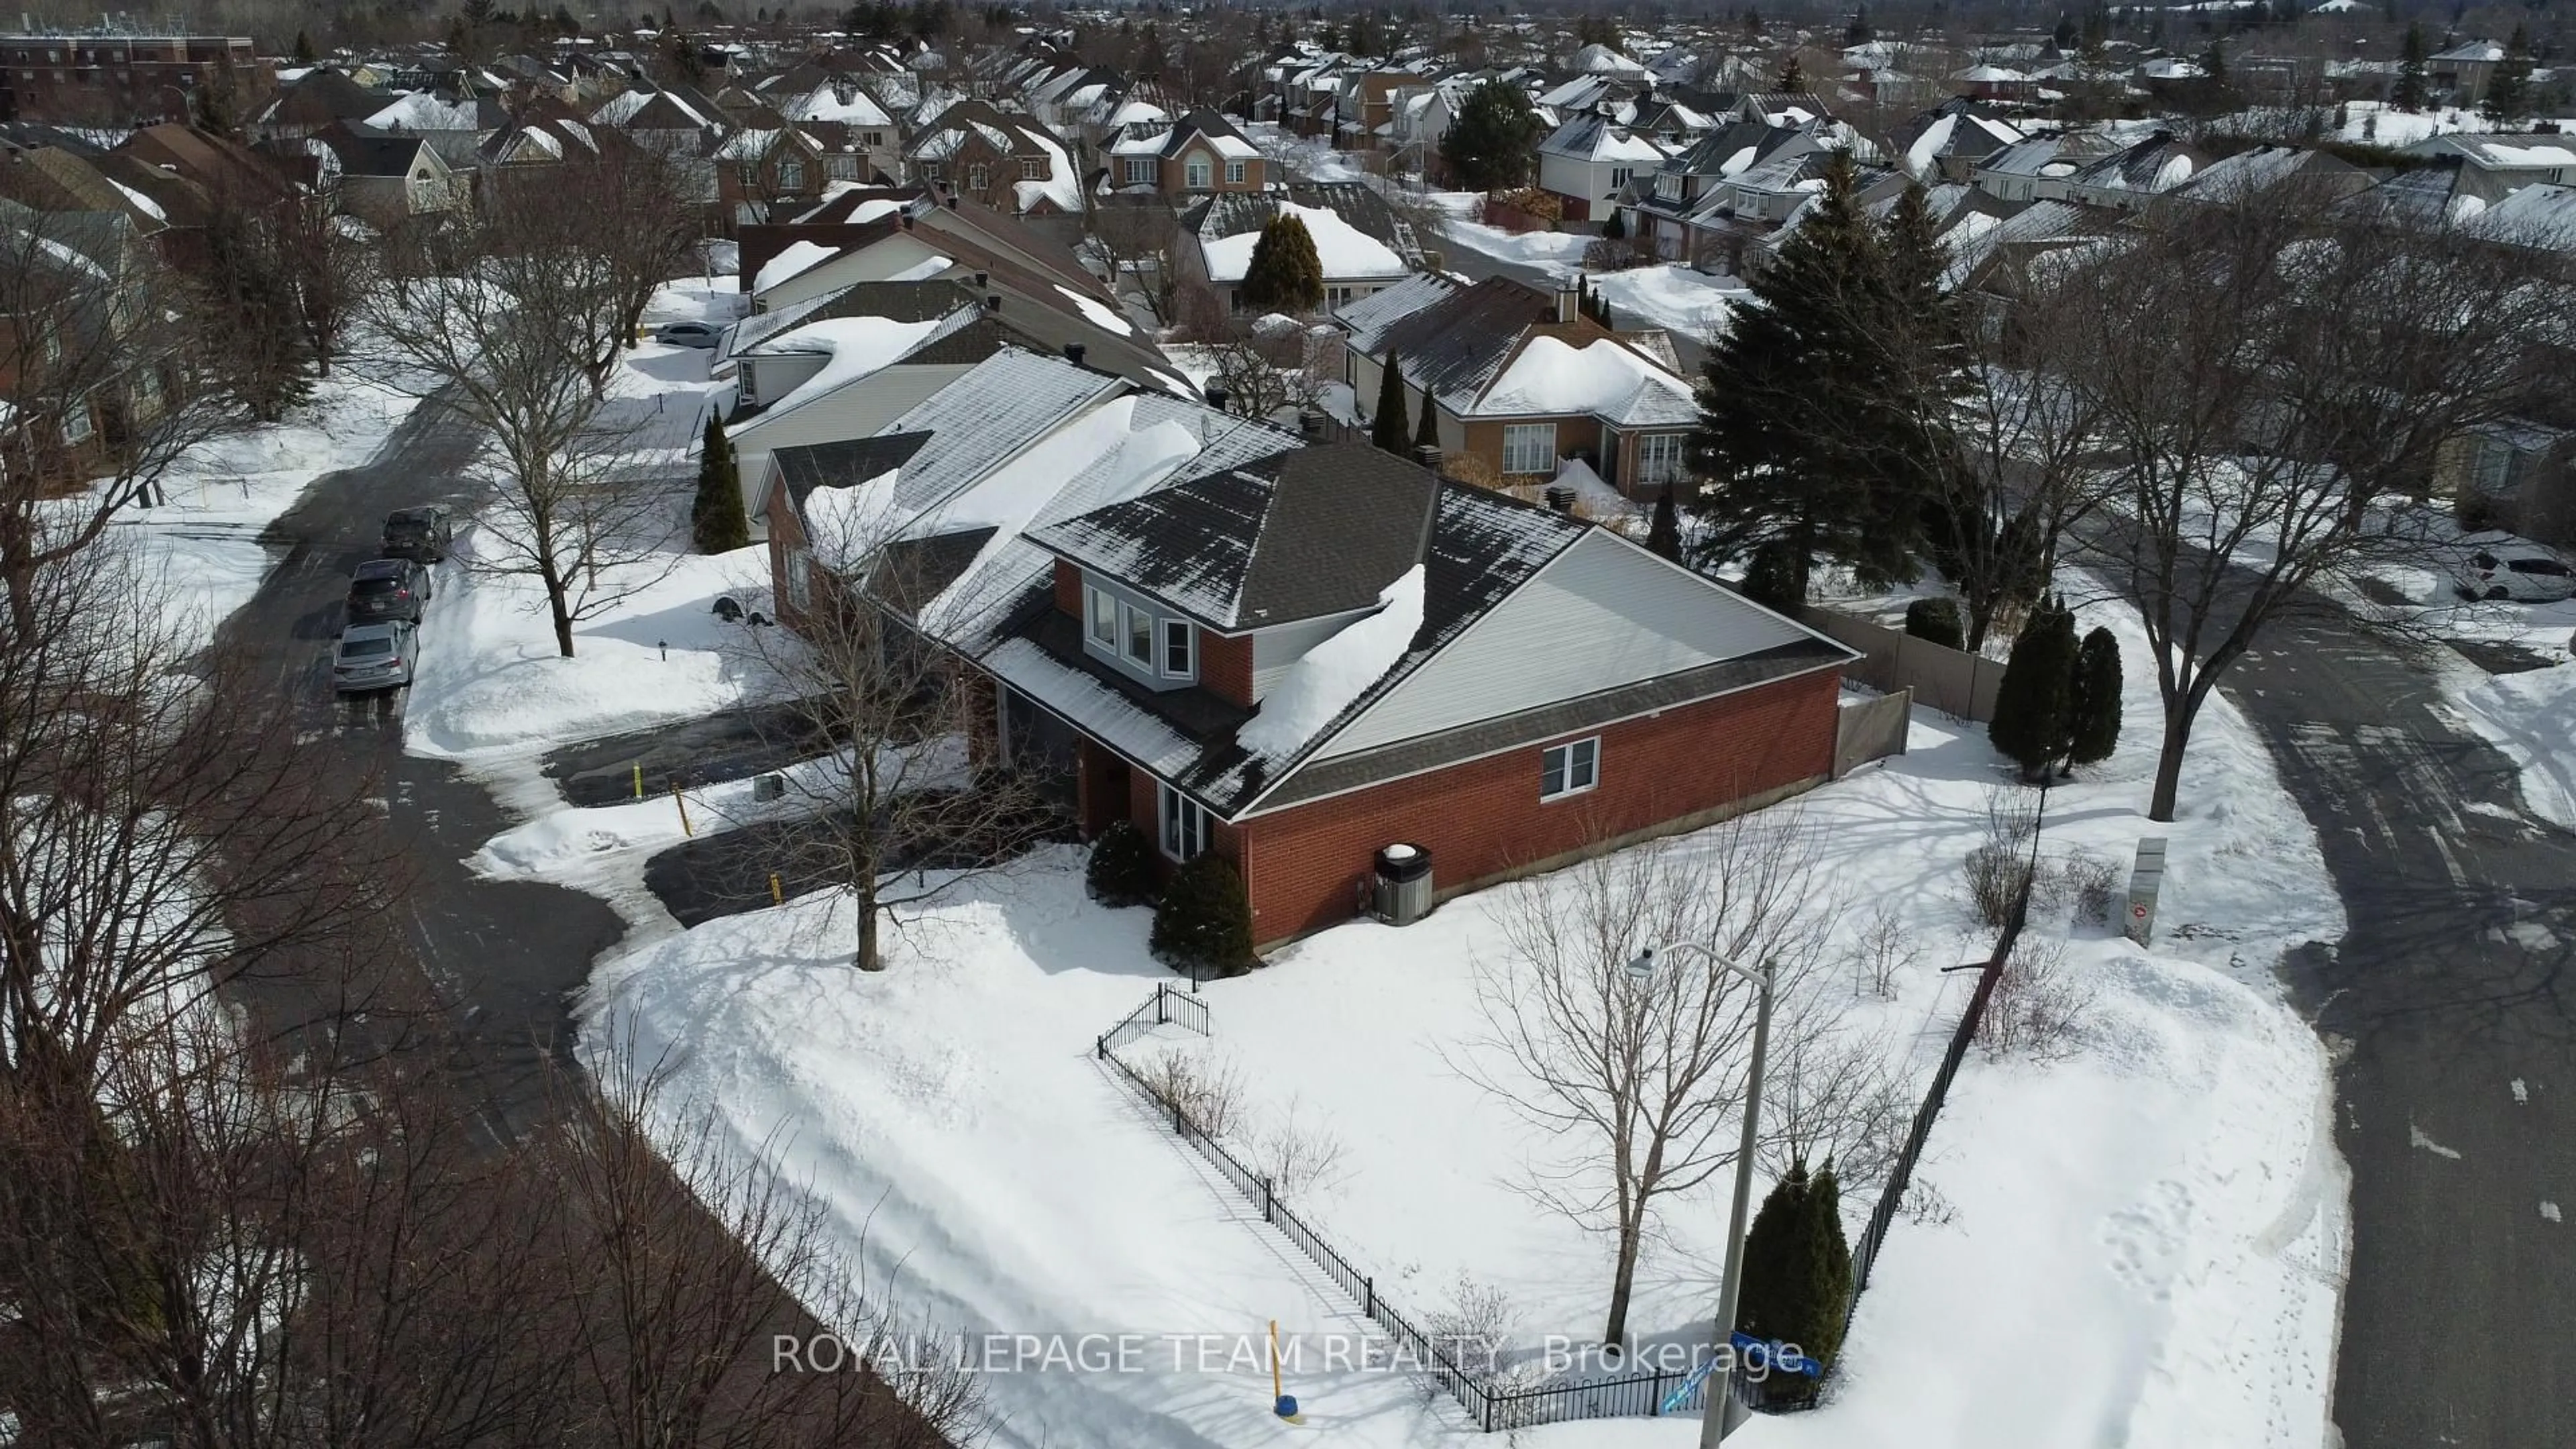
{"points": [[1104, 618], [1668, 187], [1137, 632]]}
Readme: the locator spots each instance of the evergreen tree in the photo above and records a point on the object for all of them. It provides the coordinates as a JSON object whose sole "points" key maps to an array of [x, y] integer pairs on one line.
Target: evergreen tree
{"points": [[1285, 274], [2410, 92], [1388, 429], [716, 521], [1204, 923], [1752, 23], [1426, 426], [1837, 356], [1797, 1265], [1776, 577], [2213, 72], [1664, 535], [1793, 77], [304, 52], [1121, 870], [2067, 35], [2031, 705], [1615, 225], [1493, 143], [2093, 706], [2509, 88], [1859, 31]]}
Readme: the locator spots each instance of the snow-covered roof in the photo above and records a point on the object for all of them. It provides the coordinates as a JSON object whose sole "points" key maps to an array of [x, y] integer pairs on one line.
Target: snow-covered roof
{"points": [[793, 260], [1604, 377], [1368, 318], [424, 111], [853, 347], [1345, 250], [844, 104], [1599, 59]]}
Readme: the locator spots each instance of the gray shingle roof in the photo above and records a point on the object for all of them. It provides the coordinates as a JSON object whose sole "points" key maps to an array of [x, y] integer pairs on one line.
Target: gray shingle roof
{"points": [[1315, 532], [992, 412], [806, 467]]}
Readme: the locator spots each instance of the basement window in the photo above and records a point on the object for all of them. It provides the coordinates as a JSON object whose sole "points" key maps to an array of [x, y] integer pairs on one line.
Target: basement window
{"points": [[1569, 769]]}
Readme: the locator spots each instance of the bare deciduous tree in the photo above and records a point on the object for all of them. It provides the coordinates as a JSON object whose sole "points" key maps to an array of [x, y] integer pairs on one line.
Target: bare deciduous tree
{"points": [[1639, 1079], [2271, 371], [511, 337], [904, 810], [1135, 243]]}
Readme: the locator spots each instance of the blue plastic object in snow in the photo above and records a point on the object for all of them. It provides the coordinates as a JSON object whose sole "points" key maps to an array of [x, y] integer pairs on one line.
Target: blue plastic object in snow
{"points": [[1286, 1408]]}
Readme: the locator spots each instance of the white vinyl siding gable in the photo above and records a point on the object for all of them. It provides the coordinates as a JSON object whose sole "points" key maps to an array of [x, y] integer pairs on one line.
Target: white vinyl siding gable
{"points": [[1602, 615]]}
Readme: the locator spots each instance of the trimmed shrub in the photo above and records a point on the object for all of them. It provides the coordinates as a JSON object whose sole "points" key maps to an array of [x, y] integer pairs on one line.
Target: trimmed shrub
{"points": [[1121, 872], [1204, 924], [1388, 429], [716, 520], [1938, 621], [2031, 715], [2093, 701], [1797, 1265]]}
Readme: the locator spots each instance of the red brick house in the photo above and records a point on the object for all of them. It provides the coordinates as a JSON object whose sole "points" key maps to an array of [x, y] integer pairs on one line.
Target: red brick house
{"points": [[1200, 154], [1296, 655]]}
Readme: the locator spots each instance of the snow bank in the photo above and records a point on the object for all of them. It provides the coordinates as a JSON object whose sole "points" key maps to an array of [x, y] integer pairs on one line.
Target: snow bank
{"points": [[1345, 250], [1559, 252], [1335, 673], [794, 260], [1677, 298], [2531, 717]]}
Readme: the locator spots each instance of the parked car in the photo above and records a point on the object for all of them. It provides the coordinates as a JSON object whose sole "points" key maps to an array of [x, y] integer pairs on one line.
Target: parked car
{"points": [[2523, 572], [375, 656], [388, 588], [689, 334], [423, 534]]}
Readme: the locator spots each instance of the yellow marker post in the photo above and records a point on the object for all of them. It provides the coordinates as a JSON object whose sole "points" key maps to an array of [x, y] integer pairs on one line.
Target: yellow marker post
{"points": [[777, 895], [639, 779], [683, 802]]}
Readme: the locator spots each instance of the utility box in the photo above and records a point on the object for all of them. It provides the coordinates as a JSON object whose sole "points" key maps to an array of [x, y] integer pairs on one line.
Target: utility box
{"points": [[2146, 879], [1403, 892]]}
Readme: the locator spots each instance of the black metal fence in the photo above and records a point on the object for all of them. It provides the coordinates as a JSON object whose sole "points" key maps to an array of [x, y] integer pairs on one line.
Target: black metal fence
{"points": [[1892, 1196], [1489, 1406]]}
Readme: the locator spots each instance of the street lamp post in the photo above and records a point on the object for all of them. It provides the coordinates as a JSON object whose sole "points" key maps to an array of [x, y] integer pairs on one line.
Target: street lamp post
{"points": [[1712, 1418]]}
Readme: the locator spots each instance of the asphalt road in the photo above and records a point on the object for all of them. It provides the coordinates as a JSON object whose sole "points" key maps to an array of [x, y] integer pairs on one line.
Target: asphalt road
{"points": [[2453, 1005], [502, 957]]}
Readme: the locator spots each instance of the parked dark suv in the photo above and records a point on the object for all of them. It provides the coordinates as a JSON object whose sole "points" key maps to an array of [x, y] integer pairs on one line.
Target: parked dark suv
{"points": [[388, 588], [421, 534]]}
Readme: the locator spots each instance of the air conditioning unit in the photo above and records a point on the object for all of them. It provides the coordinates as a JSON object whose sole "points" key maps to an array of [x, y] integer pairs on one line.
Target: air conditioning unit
{"points": [[1403, 890]]}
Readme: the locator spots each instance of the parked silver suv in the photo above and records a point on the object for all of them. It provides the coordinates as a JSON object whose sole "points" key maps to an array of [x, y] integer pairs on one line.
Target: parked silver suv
{"points": [[375, 656]]}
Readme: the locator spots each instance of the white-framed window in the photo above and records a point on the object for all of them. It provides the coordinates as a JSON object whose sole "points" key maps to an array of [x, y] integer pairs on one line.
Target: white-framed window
{"points": [[76, 426], [2494, 469], [1669, 187], [841, 168], [1529, 447], [1137, 629], [1659, 457], [872, 139], [1033, 168], [1185, 825], [929, 170], [800, 577], [791, 175], [1569, 769], [1180, 649], [1619, 176], [1140, 170], [1195, 173], [1234, 173], [1103, 616], [978, 176]]}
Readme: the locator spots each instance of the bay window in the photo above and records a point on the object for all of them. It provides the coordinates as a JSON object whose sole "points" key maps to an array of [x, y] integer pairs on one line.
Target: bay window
{"points": [[1529, 448]]}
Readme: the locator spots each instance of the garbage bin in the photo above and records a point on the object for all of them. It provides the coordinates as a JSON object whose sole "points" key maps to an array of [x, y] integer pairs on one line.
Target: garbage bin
{"points": [[1403, 884]]}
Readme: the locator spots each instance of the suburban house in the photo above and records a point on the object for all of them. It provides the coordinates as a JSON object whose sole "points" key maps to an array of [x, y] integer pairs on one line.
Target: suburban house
{"points": [[2463, 71], [1364, 246], [1520, 380], [64, 411], [871, 234], [2494, 167], [1946, 142], [1008, 162], [763, 172], [2128, 179], [1686, 208], [1294, 656], [673, 120], [1589, 161], [1200, 152], [859, 138], [384, 180]]}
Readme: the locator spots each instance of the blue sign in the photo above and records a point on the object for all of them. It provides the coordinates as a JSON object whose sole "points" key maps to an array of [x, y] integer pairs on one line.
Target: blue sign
{"points": [[1784, 1357], [1674, 1401]]}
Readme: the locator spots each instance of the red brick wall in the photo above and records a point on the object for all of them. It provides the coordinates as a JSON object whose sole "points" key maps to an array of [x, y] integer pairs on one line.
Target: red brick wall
{"points": [[1068, 589], [1225, 666], [786, 535], [1483, 819]]}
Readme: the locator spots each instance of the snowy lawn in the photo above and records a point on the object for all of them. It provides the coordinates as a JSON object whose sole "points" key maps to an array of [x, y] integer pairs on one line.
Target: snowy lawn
{"points": [[492, 684], [202, 541], [2143, 1240], [1560, 252], [1679, 299], [2531, 717]]}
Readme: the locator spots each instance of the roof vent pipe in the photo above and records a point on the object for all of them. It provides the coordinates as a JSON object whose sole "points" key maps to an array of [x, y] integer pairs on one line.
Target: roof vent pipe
{"points": [[1073, 353]]}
